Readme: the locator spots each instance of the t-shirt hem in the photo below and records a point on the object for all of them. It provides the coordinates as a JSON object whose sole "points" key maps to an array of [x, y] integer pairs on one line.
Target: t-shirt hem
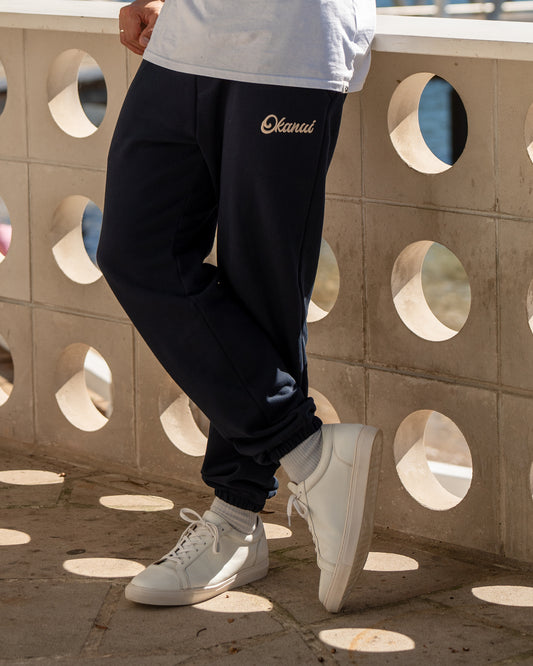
{"points": [[249, 77]]}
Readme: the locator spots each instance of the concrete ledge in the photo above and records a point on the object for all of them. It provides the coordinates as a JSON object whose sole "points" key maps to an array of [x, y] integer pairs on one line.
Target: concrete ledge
{"points": [[395, 34], [463, 38], [69, 15]]}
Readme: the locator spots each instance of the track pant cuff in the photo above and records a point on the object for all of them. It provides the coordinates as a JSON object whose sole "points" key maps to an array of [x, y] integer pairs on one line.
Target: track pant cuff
{"points": [[295, 440], [239, 501]]}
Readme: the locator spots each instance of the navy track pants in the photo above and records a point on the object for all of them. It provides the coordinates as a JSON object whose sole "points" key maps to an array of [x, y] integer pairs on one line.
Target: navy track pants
{"points": [[192, 156]]}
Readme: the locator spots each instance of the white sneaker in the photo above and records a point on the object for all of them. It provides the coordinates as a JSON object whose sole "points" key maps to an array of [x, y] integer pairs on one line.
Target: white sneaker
{"points": [[338, 501], [210, 557]]}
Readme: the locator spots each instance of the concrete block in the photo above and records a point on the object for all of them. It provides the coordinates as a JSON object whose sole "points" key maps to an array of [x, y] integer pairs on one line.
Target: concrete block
{"points": [[515, 275], [516, 448], [171, 431], [514, 129], [171, 442], [339, 334], [470, 353], [63, 275], [341, 391], [77, 428], [132, 62], [13, 142], [474, 521], [16, 408], [52, 60], [15, 266], [344, 175], [386, 176]]}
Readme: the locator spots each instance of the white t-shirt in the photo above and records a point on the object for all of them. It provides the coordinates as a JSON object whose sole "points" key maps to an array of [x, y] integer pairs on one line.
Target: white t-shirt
{"points": [[303, 43]]}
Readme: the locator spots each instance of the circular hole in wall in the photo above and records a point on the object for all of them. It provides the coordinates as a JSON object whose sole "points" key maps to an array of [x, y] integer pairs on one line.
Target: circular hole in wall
{"points": [[430, 291], [76, 226], [99, 382], [7, 371], [184, 423], [427, 123], [3, 88], [5, 230], [528, 132], [77, 93], [91, 225], [327, 284], [212, 257], [324, 409], [433, 460], [446, 286], [443, 120], [84, 392], [92, 90], [529, 306]]}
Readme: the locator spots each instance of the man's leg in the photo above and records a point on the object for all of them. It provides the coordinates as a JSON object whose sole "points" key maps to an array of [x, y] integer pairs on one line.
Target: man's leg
{"points": [[272, 188], [195, 320], [159, 220], [278, 143]]}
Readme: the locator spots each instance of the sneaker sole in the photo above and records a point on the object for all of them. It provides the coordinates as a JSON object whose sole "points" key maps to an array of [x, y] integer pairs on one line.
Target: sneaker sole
{"points": [[359, 524], [149, 596]]}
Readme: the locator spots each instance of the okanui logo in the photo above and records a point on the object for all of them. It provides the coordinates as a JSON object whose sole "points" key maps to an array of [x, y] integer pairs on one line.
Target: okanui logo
{"points": [[272, 124]]}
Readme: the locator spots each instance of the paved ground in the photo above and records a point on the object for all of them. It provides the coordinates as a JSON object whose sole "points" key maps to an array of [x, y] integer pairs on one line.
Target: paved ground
{"points": [[70, 538]]}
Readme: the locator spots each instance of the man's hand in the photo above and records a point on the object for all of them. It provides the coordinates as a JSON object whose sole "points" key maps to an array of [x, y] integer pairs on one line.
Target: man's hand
{"points": [[137, 22]]}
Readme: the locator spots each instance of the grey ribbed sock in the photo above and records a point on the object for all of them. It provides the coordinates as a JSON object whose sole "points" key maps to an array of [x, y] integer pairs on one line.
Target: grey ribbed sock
{"points": [[302, 461], [240, 519]]}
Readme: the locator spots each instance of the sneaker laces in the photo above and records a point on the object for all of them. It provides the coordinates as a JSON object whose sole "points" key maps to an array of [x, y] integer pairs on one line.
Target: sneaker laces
{"points": [[296, 503], [302, 509], [195, 535]]}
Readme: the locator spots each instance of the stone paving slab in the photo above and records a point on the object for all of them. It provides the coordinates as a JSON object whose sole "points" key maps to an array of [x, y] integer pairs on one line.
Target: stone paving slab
{"points": [[502, 600], [418, 632], [234, 616], [47, 618], [289, 582], [288, 649], [106, 659], [64, 533], [16, 496], [68, 549]]}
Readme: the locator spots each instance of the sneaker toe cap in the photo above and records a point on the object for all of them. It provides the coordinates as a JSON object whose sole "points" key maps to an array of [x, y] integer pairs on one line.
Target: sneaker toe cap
{"points": [[158, 576]]}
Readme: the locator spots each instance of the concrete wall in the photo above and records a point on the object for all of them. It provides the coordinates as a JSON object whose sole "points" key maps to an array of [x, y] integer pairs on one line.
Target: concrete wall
{"points": [[446, 399]]}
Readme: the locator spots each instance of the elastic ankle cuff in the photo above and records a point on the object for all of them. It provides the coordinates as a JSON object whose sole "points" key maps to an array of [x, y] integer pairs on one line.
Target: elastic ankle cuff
{"points": [[296, 439], [239, 502]]}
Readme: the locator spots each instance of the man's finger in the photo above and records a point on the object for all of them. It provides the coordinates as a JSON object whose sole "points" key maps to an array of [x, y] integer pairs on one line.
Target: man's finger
{"points": [[145, 36], [130, 28], [132, 45]]}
